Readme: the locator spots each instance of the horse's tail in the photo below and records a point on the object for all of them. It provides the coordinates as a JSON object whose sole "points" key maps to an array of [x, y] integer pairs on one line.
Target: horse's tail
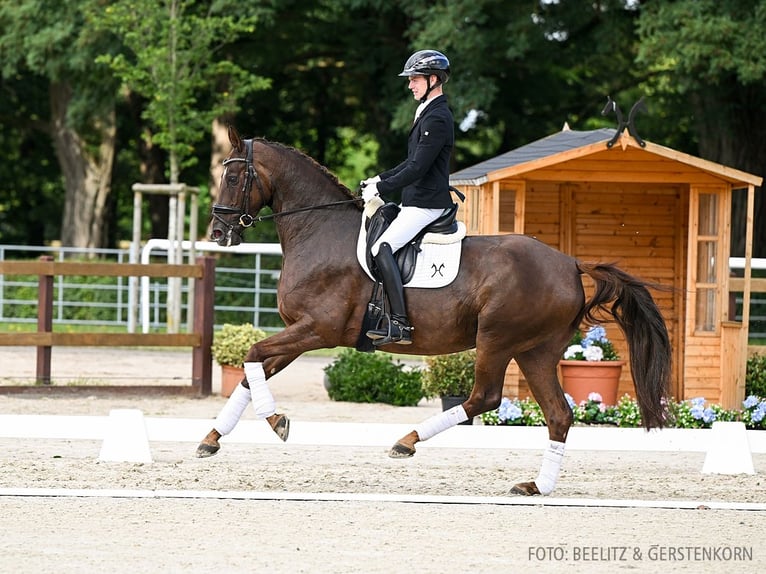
{"points": [[639, 318]]}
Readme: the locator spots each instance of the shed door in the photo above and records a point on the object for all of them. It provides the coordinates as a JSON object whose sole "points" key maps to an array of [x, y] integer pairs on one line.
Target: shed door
{"points": [[641, 227]]}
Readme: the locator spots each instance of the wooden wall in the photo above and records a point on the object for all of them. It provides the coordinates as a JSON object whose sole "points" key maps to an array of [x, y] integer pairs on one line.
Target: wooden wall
{"points": [[634, 225]]}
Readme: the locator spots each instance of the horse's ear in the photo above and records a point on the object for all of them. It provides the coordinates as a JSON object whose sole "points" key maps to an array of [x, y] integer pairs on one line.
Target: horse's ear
{"points": [[234, 139]]}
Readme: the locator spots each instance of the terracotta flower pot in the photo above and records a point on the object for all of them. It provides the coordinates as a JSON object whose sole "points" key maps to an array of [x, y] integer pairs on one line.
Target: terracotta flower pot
{"points": [[580, 378], [230, 378]]}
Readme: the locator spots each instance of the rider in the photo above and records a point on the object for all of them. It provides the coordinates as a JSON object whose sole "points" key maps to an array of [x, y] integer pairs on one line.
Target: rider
{"points": [[423, 179]]}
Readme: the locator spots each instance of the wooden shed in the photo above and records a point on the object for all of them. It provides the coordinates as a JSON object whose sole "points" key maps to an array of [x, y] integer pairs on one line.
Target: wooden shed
{"points": [[662, 215]]}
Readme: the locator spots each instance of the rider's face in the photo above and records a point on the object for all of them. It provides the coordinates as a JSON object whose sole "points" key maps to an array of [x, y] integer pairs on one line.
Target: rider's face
{"points": [[418, 86]]}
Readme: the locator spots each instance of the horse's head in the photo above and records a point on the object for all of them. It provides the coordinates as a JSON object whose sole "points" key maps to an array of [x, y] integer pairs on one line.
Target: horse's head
{"points": [[231, 215]]}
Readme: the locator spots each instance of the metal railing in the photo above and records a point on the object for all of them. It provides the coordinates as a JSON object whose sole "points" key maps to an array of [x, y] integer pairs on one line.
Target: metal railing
{"points": [[246, 286]]}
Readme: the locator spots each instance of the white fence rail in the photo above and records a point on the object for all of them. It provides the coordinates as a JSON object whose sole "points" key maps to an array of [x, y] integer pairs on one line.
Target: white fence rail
{"points": [[244, 293]]}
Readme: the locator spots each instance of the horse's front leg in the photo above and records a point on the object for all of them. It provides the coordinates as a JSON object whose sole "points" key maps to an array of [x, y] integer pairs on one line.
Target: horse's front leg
{"points": [[242, 395], [558, 414]]}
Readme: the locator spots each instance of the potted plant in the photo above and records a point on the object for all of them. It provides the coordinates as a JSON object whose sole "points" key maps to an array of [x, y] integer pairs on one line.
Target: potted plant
{"points": [[591, 365], [450, 377], [230, 346]]}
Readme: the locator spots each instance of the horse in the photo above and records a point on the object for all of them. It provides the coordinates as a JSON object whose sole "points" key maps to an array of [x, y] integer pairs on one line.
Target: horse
{"points": [[514, 297]]}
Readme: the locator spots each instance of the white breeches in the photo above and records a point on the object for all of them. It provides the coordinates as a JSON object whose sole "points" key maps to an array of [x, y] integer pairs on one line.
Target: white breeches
{"points": [[407, 225]]}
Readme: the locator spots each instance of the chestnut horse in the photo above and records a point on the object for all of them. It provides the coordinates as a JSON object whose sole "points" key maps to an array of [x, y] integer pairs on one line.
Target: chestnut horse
{"points": [[514, 298]]}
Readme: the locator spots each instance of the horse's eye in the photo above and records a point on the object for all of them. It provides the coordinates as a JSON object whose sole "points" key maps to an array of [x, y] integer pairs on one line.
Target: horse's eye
{"points": [[231, 179]]}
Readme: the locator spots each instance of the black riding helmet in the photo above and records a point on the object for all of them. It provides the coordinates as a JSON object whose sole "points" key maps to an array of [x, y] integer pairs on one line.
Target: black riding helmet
{"points": [[427, 63]]}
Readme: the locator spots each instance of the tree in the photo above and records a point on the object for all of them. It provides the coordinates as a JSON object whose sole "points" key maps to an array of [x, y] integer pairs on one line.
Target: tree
{"points": [[168, 61], [49, 40], [710, 55]]}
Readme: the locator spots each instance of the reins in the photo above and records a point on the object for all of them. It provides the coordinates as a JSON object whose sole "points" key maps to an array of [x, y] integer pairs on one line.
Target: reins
{"points": [[308, 208]]}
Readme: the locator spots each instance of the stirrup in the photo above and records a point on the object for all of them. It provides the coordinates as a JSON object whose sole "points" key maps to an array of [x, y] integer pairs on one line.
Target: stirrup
{"points": [[397, 332]]}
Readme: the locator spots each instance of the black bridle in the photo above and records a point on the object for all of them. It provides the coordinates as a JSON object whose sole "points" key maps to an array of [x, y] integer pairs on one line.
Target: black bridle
{"points": [[245, 219]]}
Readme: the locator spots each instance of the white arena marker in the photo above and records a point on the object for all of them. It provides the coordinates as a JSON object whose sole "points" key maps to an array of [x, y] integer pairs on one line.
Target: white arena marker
{"points": [[125, 438], [728, 450]]}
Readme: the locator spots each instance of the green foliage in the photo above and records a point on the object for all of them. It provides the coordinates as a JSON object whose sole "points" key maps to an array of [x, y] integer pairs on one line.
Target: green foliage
{"points": [[689, 414], [450, 375], [168, 60], [98, 295], [755, 379], [232, 342], [372, 378]]}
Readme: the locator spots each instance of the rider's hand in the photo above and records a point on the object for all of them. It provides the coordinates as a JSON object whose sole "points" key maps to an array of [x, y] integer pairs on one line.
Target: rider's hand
{"points": [[369, 191], [370, 181]]}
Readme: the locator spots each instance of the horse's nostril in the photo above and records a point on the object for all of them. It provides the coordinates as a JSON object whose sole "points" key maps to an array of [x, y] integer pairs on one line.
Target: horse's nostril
{"points": [[216, 234]]}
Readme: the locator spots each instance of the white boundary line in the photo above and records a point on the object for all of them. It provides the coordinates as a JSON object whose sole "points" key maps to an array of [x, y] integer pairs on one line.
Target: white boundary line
{"points": [[401, 498], [374, 434]]}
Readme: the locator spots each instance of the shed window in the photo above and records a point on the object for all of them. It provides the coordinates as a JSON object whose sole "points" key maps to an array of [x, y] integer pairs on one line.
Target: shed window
{"points": [[708, 264]]}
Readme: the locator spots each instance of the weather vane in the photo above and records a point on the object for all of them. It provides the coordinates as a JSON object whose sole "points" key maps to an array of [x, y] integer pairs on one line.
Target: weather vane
{"points": [[611, 106]]}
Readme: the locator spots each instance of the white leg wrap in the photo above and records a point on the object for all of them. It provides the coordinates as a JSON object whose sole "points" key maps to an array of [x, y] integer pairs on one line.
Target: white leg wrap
{"points": [[441, 422], [232, 411], [549, 470], [263, 402]]}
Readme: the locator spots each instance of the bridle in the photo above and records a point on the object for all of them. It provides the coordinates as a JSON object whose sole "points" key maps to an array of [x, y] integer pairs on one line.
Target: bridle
{"points": [[245, 219]]}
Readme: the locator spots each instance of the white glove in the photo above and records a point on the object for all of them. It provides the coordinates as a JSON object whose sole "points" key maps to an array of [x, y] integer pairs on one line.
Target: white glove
{"points": [[370, 181], [369, 191]]}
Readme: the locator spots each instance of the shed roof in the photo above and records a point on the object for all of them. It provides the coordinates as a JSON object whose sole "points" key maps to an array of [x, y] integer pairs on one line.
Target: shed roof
{"points": [[569, 144]]}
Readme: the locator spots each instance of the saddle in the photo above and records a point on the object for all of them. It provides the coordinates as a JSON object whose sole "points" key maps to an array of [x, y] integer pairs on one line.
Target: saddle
{"points": [[406, 258], [407, 255]]}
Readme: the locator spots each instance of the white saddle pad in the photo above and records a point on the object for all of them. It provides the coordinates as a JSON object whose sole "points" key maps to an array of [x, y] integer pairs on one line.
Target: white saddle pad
{"points": [[436, 265]]}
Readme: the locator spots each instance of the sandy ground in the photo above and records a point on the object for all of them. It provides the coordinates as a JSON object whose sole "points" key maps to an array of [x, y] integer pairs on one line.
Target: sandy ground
{"points": [[120, 533]]}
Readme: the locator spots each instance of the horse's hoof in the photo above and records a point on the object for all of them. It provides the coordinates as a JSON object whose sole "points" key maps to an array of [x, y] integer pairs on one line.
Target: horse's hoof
{"points": [[400, 450], [205, 450], [282, 427], [525, 489]]}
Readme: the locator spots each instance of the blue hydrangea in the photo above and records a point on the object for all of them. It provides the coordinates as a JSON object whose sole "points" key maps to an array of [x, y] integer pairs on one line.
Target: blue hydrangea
{"points": [[750, 402], [708, 415], [759, 413], [570, 401], [508, 410], [697, 410], [595, 334]]}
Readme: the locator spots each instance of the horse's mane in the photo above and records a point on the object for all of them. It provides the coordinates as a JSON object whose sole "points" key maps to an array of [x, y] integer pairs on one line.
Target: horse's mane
{"points": [[327, 173]]}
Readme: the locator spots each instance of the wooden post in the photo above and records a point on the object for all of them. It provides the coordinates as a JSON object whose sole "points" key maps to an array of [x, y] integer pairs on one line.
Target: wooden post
{"points": [[44, 323], [204, 316]]}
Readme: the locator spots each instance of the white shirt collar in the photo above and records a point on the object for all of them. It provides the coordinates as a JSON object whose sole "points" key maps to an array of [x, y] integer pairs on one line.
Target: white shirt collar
{"points": [[422, 107]]}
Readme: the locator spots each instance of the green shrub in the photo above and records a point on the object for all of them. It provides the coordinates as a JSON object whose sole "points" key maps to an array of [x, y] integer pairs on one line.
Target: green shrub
{"points": [[450, 375], [232, 343], [372, 378], [755, 379]]}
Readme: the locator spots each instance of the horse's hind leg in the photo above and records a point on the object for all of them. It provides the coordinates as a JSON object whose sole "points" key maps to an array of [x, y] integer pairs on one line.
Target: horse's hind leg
{"points": [[539, 368], [485, 396]]}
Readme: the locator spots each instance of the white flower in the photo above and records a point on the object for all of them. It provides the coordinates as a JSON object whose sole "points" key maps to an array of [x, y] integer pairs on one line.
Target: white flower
{"points": [[572, 351], [593, 353]]}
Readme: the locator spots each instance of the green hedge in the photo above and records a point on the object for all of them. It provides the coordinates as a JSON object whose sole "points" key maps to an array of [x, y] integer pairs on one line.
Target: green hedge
{"points": [[372, 378]]}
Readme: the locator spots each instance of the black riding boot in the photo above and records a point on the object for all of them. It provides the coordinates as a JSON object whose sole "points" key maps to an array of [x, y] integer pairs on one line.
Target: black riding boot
{"points": [[399, 330]]}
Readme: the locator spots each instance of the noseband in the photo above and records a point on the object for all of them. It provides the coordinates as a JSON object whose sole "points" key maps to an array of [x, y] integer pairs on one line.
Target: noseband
{"points": [[245, 219]]}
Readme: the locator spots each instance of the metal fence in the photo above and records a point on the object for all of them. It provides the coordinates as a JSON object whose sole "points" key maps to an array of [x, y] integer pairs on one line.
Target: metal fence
{"points": [[246, 287]]}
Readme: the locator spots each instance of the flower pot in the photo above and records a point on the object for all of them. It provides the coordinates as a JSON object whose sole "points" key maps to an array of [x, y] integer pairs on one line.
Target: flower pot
{"points": [[580, 378], [230, 378], [448, 402]]}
